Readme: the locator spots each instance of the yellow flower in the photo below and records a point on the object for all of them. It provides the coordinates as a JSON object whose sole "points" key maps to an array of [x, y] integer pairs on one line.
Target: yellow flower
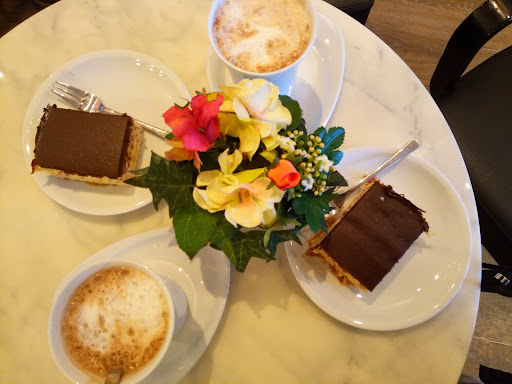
{"points": [[252, 112], [243, 196]]}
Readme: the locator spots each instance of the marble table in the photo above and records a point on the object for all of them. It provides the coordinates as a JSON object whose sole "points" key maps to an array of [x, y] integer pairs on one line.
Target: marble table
{"points": [[270, 331]]}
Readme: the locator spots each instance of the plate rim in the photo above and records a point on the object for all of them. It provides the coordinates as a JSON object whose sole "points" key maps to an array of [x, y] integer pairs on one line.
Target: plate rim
{"points": [[151, 237], [413, 320], [29, 125], [211, 58]]}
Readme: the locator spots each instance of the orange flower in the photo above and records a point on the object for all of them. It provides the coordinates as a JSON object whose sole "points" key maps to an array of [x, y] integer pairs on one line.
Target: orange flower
{"points": [[284, 175]]}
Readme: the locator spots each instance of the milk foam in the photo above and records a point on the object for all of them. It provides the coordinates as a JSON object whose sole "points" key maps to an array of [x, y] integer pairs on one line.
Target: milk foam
{"points": [[261, 35], [117, 316]]}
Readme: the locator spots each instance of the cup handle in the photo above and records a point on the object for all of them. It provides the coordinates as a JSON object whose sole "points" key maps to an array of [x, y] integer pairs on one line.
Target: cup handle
{"points": [[180, 304]]}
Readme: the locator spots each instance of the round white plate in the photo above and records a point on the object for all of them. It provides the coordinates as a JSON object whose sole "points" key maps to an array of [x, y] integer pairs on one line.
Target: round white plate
{"points": [[204, 280], [430, 273], [128, 82], [319, 76]]}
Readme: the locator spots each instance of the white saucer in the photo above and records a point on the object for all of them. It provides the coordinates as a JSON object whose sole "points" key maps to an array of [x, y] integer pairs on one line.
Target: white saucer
{"points": [[430, 273], [128, 82], [205, 282], [319, 76]]}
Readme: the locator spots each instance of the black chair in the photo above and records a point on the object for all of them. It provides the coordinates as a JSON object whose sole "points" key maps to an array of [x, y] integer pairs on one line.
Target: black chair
{"points": [[13, 12], [478, 109], [358, 9]]}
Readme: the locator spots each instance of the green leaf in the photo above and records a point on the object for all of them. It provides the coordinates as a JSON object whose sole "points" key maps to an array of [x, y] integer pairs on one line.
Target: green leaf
{"points": [[169, 180], [247, 245], [336, 179], [187, 103], [294, 108], [277, 237], [313, 208], [221, 238], [332, 138], [282, 222], [255, 163], [329, 193], [295, 159], [287, 215], [210, 158], [193, 227], [335, 156]]}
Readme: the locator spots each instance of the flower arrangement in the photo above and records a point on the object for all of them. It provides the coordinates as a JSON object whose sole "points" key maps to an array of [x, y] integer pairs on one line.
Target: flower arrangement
{"points": [[242, 174]]}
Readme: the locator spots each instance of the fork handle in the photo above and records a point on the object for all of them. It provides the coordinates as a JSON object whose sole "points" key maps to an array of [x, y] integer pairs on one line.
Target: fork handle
{"points": [[155, 130], [148, 127], [409, 147]]}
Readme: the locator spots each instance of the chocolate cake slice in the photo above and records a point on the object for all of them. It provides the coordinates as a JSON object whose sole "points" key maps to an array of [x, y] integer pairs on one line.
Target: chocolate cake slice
{"points": [[370, 236], [96, 148]]}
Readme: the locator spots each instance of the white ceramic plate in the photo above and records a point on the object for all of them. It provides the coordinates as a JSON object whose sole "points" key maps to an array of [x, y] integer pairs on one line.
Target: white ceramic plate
{"points": [[127, 82], [204, 280], [319, 76], [430, 273]]}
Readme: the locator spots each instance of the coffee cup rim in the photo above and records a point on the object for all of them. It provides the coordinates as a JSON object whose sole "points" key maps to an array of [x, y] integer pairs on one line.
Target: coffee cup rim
{"points": [[61, 298], [211, 17]]}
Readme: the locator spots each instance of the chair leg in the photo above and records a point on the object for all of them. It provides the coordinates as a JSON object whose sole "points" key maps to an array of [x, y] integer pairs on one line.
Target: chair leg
{"points": [[499, 247]]}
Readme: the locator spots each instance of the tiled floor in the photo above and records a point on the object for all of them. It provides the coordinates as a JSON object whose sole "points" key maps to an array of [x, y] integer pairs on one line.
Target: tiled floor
{"points": [[492, 339]]}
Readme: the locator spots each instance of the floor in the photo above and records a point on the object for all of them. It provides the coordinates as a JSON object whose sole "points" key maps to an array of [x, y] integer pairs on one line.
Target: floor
{"points": [[417, 30]]}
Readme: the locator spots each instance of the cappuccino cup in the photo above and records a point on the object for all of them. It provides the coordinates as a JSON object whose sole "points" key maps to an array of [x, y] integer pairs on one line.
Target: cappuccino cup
{"points": [[263, 39], [114, 314]]}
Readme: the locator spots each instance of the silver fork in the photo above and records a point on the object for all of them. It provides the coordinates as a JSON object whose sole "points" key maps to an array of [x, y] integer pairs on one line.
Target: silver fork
{"points": [[337, 202], [408, 148], [89, 102]]}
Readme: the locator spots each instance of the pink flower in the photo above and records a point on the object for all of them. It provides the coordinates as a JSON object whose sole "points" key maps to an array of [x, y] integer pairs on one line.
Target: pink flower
{"points": [[195, 128], [284, 175]]}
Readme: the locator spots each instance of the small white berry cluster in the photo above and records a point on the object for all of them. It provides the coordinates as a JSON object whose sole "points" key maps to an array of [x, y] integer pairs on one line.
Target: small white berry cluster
{"points": [[314, 167]]}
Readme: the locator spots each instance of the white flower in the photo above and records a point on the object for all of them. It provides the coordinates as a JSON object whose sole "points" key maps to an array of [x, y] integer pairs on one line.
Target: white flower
{"points": [[287, 144], [307, 183], [326, 164]]}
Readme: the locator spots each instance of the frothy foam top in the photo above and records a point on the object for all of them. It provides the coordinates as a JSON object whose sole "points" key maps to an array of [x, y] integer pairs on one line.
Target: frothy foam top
{"points": [[118, 317], [261, 35]]}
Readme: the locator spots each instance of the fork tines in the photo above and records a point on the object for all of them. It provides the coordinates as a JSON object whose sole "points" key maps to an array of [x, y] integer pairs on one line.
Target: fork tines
{"points": [[69, 89], [69, 93]]}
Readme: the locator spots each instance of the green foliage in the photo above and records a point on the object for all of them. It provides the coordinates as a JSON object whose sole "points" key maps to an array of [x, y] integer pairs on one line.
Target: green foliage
{"points": [[247, 245], [332, 138], [277, 237], [171, 181], [335, 179], [294, 108], [196, 228], [221, 238], [313, 208]]}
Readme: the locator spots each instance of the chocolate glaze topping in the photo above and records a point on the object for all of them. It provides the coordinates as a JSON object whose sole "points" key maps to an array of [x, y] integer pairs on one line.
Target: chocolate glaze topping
{"points": [[375, 234], [88, 144]]}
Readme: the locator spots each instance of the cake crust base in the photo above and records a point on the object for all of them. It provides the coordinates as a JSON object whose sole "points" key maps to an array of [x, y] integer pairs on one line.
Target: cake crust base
{"points": [[135, 136], [369, 236], [342, 275]]}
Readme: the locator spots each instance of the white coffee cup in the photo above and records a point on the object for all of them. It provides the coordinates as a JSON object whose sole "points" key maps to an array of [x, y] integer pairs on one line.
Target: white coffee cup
{"points": [[174, 297], [283, 78]]}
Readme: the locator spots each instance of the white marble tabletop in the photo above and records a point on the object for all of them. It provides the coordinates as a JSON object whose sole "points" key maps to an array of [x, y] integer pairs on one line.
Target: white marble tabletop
{"points": [[271, 331]]}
